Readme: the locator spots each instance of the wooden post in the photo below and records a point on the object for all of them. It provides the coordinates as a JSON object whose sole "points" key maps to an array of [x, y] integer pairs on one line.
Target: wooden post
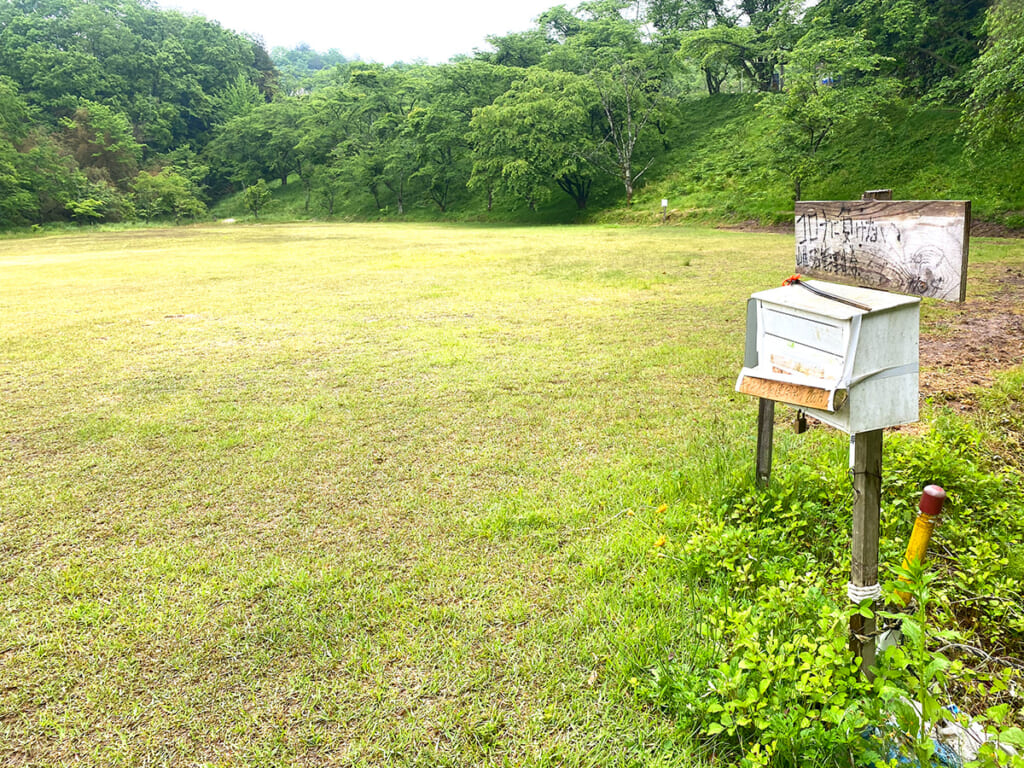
{"points": [[765, 433], [877, 194], [867, 487]]}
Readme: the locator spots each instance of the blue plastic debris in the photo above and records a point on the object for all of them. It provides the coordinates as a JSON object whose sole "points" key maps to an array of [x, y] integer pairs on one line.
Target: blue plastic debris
{"points": [[892, 751]]}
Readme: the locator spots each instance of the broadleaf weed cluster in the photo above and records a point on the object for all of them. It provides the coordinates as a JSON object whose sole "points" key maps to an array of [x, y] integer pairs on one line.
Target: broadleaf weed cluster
{"points": [[766, 678]]}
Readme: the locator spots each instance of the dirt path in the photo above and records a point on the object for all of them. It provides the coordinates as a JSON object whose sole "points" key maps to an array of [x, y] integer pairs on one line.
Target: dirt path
{"points": [[964, 346]]}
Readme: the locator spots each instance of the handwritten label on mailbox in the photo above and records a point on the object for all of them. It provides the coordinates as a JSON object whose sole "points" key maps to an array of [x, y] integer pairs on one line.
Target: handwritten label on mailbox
{"points": [[907, 246]]}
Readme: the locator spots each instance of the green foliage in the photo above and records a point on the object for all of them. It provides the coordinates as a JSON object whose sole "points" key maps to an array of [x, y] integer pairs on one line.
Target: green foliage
{"points": [[88, 209], [715, 51], [261, 142], [587, 98], [329, 182], [517, 49], [631, 99], [828, 87], [160, 68], [166, 193], [302, 67], [256, 197], [774, 683], [536, 136], [17, 204], [994, 114], [930, 43], [90, 89], [101, 141], [980, 529], [768, 679], [15, 115], [911, 676], [237, 100]]}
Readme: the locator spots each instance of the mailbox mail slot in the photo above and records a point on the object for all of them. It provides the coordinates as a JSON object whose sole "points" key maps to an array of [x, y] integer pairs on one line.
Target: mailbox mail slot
{"points": [[855, 369]]}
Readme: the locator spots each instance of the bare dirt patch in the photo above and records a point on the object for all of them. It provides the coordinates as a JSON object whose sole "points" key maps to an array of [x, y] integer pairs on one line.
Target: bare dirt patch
{"points": [[964, 346], [991, 229], [753, 225]]}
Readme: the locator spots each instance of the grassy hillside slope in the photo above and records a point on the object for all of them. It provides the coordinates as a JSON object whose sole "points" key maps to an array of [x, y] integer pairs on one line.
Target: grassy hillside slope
{"points": [[721, 168]]}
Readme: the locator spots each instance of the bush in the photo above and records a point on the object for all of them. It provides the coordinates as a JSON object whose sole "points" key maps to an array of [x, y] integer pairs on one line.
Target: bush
{"points": [[766, 675]]}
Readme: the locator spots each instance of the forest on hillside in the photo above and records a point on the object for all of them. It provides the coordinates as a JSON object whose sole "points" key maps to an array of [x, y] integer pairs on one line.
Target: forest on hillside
{"points": [[115, 110]]}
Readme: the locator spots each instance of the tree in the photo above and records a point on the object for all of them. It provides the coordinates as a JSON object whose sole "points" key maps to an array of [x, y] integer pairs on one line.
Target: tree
{"points": [[166, 193], [674, 16], [928, 41], [750, 39], [994, 113], [629, 95], [15, 114], [88, 210], [256, 197], [376, 141], [328, 181], [440, 124], [537, 135], [442, 152], [518, 49], [17, 205], [238, 99], [261, 143], [51, 174], [301, 66], [829, 84], [593, 39], [717, 50], [162, 69], [102, 143]]}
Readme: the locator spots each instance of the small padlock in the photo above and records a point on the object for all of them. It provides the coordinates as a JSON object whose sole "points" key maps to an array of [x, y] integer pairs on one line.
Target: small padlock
{"points": [[800, 422]]}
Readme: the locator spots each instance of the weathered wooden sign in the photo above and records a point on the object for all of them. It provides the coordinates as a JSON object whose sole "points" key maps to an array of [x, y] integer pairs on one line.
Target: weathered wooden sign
{"points": [[918, 247]]}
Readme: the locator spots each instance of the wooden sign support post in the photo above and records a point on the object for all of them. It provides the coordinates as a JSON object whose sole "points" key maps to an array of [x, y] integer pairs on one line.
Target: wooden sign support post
{"points": [[765, 435], [867, 487]]}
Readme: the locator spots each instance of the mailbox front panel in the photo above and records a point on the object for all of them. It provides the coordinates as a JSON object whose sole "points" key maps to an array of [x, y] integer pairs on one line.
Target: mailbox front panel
{"points": [[815, 331]]}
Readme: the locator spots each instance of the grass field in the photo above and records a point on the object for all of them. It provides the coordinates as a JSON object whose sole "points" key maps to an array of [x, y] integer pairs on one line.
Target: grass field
{"points": [[360, 494]]}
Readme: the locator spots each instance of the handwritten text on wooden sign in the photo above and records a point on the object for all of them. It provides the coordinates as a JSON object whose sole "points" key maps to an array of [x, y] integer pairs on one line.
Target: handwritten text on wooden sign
{"points": [[907, 246]]}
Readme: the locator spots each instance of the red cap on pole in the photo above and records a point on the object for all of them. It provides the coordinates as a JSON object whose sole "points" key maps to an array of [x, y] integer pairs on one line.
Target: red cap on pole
{"points": [[932, 499]]}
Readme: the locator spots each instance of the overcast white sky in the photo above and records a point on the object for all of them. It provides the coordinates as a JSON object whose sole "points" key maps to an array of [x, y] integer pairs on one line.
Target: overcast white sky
{"points": [[377, 30]]}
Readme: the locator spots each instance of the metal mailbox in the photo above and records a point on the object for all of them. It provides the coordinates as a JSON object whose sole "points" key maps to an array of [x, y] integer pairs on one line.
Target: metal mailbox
{"points": [[853, 367]]}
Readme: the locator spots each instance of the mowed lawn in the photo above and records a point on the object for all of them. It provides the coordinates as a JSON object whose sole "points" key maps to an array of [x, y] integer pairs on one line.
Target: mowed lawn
{"points": [[357, 494]]}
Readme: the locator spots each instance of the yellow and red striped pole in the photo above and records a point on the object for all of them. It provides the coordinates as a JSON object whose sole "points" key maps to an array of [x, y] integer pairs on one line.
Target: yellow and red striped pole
{"points": [[927, 518]]}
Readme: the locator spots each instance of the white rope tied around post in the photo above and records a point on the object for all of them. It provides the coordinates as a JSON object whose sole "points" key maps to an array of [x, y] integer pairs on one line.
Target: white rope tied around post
{"points": [[858, 595]]}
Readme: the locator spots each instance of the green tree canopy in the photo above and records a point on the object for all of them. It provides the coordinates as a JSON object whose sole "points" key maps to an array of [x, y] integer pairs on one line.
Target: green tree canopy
{"points": [[537, 135], [829, 83], [994, 114], [161, 69], [928, 41], [102, 143]]}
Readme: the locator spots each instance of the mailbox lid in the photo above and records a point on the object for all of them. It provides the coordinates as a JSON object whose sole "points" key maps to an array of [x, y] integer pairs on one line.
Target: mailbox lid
{"points": [[795, 297]]}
